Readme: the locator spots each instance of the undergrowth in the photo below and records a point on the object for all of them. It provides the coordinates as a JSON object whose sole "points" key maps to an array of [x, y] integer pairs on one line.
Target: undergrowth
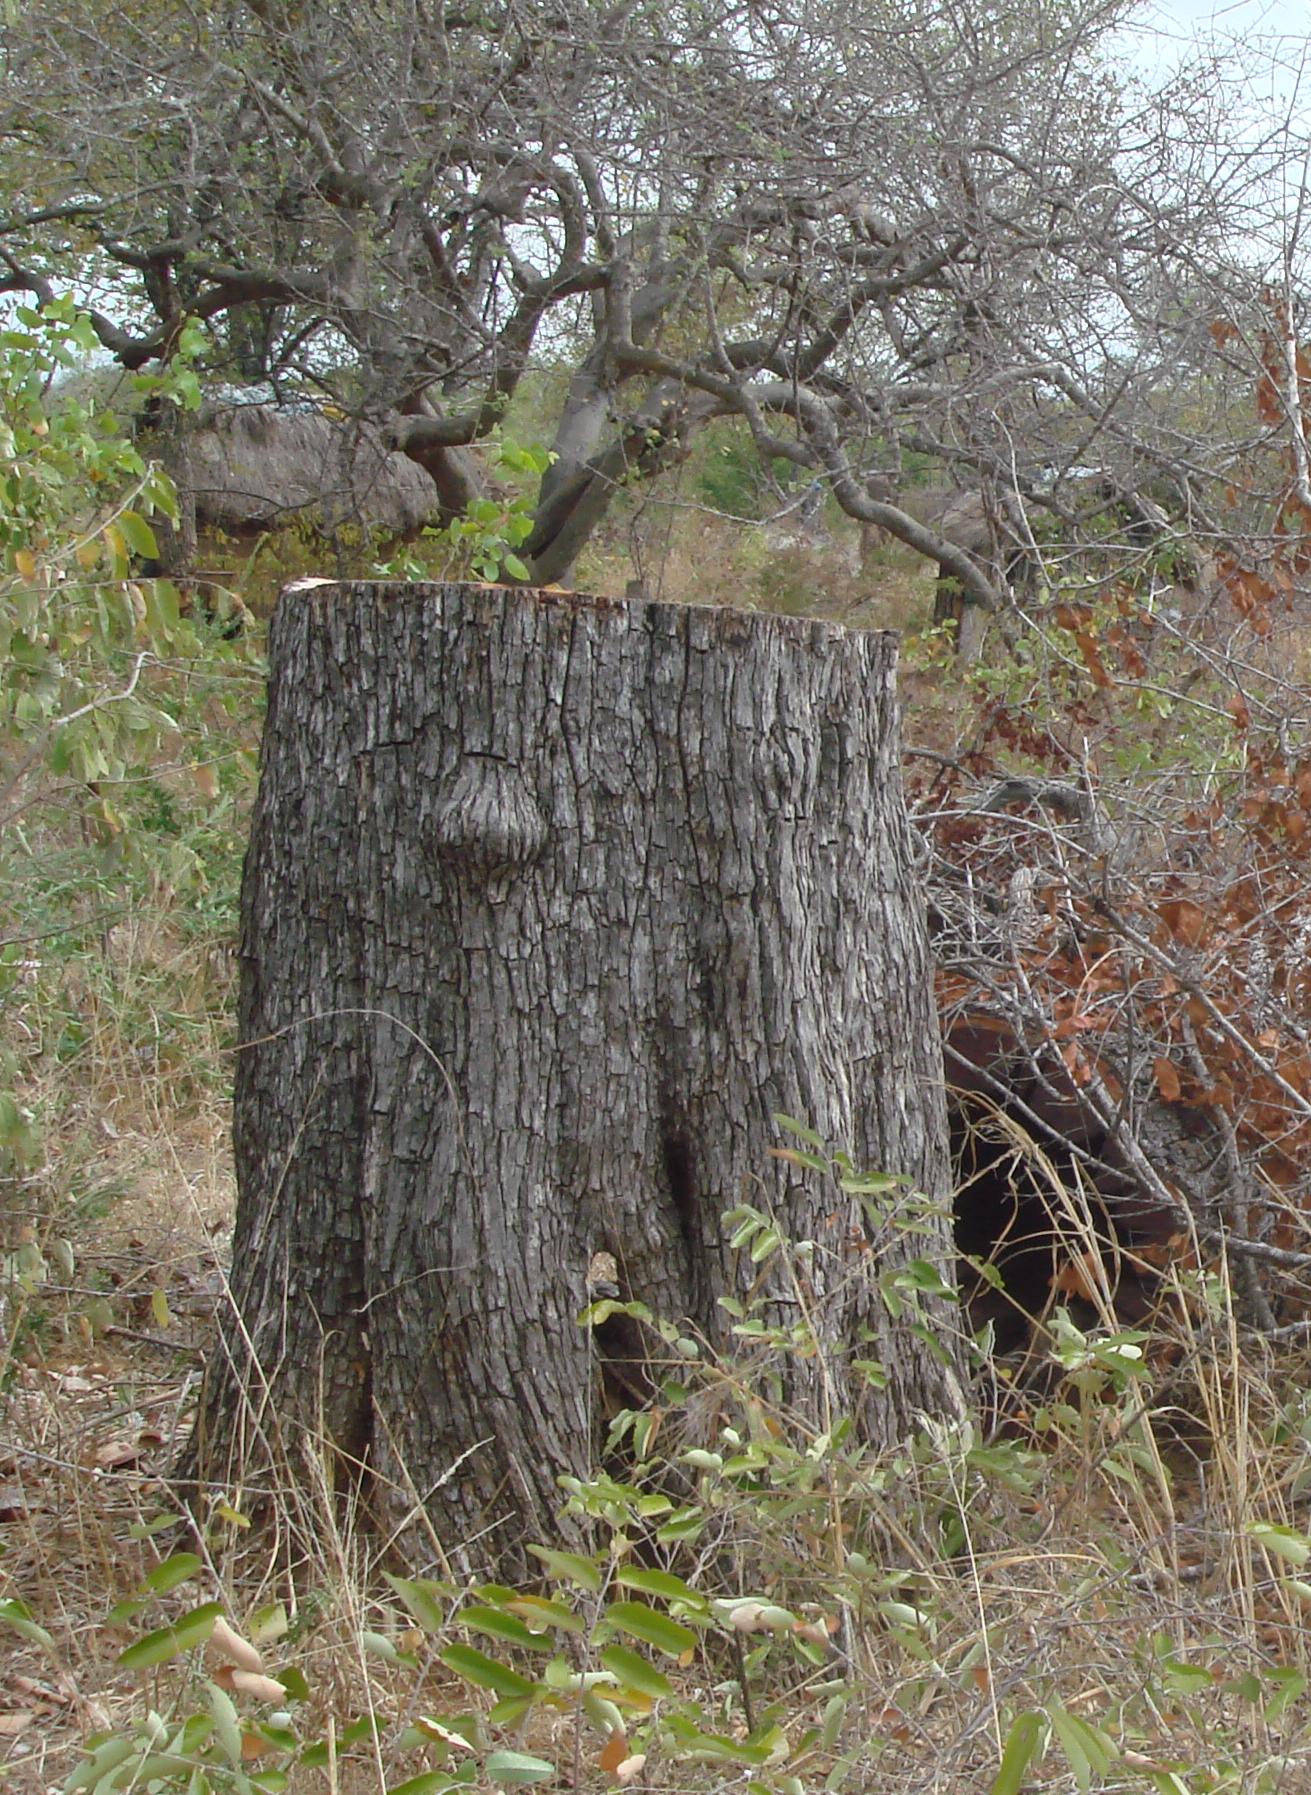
{"points": [[1109, 1591], [1103, 1599]]}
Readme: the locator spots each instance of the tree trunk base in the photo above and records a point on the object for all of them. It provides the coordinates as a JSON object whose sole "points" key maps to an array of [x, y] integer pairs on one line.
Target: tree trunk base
{"points": [[552, 904]]}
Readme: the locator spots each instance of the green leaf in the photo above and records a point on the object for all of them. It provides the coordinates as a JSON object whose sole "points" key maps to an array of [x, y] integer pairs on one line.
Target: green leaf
{"points": [[764, 1244], [510, 1710], [162, 493], [188, 391], [1289, 1687], [595, 1313], [681, 1527], [294, 1681], [664, 1584], [423, 1598], [1072, 1745], [172, 1571], [17, 1615], [813, 1162], [1281, 1542], [716, 1748], [1186, 1679], [227, 1726], [604, 1715], [428, 1782], [746, 1222], [835, 1714], [569, 1567], [922, 1275], [170, 1642], [542, 1611], [504, 1626], [517, 1767], [139, 535], [634, 1672], [1021, 1745], [106, 1757], [162, 1768], [282, 1738], [869, 1184], [163, 607], [515, 567], [790, 1125], [651, 1627], [268, 1624], [146, 1530], [476, 1667]]}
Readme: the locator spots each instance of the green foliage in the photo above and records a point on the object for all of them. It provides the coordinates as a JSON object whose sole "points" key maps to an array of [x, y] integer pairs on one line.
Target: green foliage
{"points": [[657, 1639], [483, 542], [729, 475], [18, 1618], [773, 1607], [1090, 641], [122, 788], [25, 1274], [77, 632], [210, 1736]]}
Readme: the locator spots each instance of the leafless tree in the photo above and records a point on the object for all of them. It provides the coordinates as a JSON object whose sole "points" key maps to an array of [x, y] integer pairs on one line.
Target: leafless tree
{"points": [[916, 225]]}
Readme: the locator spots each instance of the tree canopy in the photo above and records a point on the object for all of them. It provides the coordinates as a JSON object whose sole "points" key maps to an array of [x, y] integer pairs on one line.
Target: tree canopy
{"points": [[911, 225]]}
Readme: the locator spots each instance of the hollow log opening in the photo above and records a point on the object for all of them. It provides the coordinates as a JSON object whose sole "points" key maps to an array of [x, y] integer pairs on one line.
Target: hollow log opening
{"points": [[1046, 1213]]}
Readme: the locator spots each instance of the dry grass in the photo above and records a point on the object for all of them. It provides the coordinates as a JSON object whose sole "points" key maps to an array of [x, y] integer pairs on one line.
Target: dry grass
{"points": [[1121, 1578], [689, 554]]}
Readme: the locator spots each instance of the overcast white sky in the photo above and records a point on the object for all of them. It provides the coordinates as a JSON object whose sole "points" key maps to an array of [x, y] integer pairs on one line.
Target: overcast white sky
{"points": [[1276, 32], [1285, 18], [1279, 26]]}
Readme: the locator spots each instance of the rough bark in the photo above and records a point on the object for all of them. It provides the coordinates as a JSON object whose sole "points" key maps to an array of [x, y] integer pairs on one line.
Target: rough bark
{"points": [[551, 904]]}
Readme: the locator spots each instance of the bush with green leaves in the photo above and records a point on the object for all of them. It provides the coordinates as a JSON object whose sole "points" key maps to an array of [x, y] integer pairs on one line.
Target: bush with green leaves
{"points": [[116, 772], [729, 476], [484, 541], [77, 631]]}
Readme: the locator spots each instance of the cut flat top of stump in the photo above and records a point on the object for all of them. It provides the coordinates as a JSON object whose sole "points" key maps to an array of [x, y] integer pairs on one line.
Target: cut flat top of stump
{"points": [[566, 597]]}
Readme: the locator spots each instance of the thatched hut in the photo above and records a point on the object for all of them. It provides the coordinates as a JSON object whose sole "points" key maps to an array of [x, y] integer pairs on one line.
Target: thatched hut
{"points": [[255, 467]]}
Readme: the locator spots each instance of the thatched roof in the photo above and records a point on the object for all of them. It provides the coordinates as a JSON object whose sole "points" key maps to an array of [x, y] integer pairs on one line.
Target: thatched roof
{"points": [[253, 467]]}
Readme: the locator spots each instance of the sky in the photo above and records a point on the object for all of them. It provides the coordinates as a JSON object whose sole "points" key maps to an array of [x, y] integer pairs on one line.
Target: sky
{"points": [[1276, 34], [1230, 18], [1279, 26], [1275, 15]]}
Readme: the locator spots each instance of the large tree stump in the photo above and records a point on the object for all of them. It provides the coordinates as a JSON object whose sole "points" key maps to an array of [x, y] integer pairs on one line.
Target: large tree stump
{"points": [[551, 904]]}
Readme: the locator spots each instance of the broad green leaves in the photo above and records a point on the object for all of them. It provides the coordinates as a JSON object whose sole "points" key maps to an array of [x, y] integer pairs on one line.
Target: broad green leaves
{"points": [[651, 1627], [483, 542], [17, 1616], [487, 1673], [104, 679]]}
